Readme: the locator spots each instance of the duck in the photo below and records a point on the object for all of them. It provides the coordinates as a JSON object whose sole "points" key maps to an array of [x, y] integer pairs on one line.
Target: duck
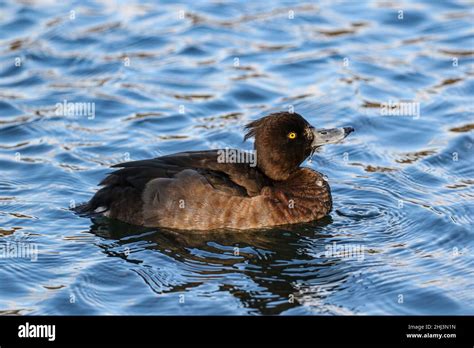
{"points": [[225, 188]]}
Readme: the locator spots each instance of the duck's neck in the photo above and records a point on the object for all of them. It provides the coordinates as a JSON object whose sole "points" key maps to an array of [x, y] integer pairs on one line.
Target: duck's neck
{"points": [[308, 188], [276, 168]]}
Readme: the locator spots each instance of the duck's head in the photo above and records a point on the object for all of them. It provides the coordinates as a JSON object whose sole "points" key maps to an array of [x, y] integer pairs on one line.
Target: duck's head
{"points": [[284, 140]]}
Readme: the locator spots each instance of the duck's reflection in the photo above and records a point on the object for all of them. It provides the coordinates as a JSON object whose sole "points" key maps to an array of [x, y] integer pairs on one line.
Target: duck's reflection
{"points": [[274, 264]]}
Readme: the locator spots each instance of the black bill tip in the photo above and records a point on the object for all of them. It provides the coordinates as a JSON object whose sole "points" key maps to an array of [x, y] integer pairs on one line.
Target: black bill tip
{"points": [[348, 130]]}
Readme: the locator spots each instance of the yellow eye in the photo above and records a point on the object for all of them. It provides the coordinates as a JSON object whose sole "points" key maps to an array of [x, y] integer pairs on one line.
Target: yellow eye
{"points": [[291, 135]]}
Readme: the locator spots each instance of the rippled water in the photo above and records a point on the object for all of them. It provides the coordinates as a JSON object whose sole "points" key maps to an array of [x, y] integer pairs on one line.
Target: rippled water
{"points": [[166, 77]]}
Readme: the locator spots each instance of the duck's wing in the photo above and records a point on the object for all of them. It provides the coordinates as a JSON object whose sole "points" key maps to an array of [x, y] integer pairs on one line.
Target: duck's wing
{"points": [[241, 176], [123, 190]]}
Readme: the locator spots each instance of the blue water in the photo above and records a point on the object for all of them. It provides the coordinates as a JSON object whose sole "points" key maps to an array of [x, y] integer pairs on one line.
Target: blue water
{"points": [[166, 77]]}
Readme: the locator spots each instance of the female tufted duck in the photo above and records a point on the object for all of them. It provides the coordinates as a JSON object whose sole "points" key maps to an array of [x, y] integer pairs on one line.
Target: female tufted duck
{"points": [[204, 190]]}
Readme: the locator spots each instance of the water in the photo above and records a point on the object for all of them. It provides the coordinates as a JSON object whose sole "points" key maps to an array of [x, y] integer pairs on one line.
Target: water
{"points": [[166, 77]]}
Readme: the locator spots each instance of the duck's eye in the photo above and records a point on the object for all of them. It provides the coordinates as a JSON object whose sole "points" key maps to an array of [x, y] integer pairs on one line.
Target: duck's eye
{"points": [[291, 135]]}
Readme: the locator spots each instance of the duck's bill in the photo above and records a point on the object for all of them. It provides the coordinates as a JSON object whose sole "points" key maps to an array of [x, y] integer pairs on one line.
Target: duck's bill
{"points": [[330, 136]]}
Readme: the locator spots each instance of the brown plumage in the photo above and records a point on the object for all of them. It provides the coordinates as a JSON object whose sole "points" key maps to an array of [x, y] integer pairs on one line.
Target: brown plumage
{"points": [[197, 190]]}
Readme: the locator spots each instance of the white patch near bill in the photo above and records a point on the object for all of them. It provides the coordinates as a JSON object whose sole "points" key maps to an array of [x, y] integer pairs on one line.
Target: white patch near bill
{"points": [[102, 210]]}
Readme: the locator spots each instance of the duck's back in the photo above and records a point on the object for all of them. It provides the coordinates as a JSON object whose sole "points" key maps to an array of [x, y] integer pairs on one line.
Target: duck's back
{"points": [[153, 192]]}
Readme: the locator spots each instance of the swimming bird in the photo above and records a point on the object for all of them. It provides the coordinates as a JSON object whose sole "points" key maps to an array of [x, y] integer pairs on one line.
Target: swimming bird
{"points": [[212, 189]]}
